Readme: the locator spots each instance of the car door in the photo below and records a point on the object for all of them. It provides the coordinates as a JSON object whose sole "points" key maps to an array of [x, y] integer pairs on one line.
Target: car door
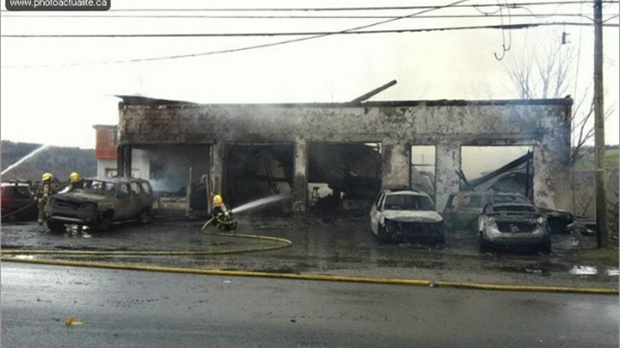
{"points": [[469, 210], [374, 213], [137, 198], [124, 203], [147, 193]]}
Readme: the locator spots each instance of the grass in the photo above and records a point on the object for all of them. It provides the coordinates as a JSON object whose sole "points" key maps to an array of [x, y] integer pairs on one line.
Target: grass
{"points": [[586, 163], [608, 256]]}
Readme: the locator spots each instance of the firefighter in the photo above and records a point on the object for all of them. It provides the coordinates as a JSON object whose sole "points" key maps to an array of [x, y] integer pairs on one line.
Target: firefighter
{"points": [[223, 215], [47, 188], [75, 183]]}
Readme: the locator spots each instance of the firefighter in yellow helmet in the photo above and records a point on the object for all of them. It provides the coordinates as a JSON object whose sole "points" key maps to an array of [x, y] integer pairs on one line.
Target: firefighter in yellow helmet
{"points": [[47, 188], [223, 215], [75, 183]]}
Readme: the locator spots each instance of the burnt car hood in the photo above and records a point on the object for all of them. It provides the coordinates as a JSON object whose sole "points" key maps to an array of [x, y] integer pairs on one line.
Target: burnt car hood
{"points": [[413, 216], [569, 217], [81, 197]]}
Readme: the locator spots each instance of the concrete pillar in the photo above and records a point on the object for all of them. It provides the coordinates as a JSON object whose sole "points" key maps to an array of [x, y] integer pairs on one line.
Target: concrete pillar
{"points": [[395, 167], [120, 160], [552, 176], [300, 176], [448, 161], [216, 174], [128, 161]]}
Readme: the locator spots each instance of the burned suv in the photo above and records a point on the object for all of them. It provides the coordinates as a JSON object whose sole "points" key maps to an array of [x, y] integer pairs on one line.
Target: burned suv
{"points": [[18, 202], [405, 214], [100, 203]]}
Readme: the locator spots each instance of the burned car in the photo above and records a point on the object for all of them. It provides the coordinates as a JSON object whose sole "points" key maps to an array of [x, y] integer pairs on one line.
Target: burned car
{"points": [[18, 202], [405, 214], [463, 208], [513, 224], [100, 203]]}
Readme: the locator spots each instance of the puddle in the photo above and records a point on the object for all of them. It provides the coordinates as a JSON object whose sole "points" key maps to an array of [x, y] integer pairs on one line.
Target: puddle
{"points": [[590, 271], [565, 243], [24, 257]]}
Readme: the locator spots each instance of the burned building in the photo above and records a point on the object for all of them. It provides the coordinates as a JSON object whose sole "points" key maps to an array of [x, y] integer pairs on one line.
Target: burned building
{"points": [[349, 149]]}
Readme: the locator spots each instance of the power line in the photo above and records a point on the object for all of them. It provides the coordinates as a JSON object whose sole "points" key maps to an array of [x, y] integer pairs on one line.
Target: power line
{"points": [[323, 33], [247, 48], [541, 15], [272, 44], [328, 9]]}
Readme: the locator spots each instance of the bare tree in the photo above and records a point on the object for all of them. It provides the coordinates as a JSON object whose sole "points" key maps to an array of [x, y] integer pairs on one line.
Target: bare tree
{"points": [[545, 71]]}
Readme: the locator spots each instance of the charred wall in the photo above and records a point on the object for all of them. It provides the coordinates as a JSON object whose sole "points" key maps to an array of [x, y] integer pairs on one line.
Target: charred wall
{"points": [[543, 124]]}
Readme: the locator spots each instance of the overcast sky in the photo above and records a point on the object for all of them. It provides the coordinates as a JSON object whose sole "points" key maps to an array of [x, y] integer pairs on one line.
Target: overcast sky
{"points": [[57, 105]]}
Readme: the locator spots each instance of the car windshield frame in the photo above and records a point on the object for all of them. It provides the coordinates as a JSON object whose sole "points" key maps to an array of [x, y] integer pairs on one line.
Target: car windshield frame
{"points": [[407, 202], [513, 208], [99, 188]]}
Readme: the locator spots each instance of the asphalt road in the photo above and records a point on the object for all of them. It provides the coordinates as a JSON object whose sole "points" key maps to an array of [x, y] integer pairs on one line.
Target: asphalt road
{"points": [[141, 309]]}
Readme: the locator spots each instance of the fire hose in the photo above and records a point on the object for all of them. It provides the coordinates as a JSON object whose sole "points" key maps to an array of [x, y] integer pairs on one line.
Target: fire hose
{"points": [[18, 210]]}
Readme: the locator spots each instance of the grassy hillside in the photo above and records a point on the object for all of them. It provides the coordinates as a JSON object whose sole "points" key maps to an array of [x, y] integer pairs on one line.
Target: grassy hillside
{"points": [[60, 161], [586, 163]]}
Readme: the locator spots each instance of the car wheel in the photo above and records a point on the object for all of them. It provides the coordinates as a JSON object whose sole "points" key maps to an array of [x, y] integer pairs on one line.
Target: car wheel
{"points": [[144, 217], [472, 225], [545, 247], [105, 224], [441, 239], [382, 235], [484, 245], [56, 226]]}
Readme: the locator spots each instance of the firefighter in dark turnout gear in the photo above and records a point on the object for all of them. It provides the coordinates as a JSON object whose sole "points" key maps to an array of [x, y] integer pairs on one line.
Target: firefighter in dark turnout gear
{"points": [[75, 183], [47, 188], [223, 215]]}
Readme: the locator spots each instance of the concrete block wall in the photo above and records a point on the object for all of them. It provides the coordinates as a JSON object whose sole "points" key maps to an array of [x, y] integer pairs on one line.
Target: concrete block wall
{"points": [[542, 124]]}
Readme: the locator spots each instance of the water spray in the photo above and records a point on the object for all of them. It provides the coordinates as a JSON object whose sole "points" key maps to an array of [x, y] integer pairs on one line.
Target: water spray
{"points": [[251, 205], [25, 158], [259, 202]]}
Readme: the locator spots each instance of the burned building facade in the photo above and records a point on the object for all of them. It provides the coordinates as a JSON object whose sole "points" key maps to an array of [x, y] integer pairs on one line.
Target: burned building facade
{"points": [[313, 142]]}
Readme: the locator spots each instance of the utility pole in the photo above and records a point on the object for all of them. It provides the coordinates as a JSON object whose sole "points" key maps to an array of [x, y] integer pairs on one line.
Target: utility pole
{"points": [[602, 237]]}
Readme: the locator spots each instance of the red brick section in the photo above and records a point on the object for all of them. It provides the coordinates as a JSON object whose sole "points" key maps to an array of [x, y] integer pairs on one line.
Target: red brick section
{"points": [[105, 147]]}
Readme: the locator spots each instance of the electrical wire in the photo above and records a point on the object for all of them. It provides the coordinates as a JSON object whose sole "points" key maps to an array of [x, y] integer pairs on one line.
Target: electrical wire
{"points": [[247, 48], [540, 16], [311, 34], [252, 47], [329, 9], [320, 34]]}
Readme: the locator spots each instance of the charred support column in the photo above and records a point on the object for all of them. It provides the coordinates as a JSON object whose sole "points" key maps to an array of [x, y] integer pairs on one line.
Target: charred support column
{"points": [[120, 160], [448, 161], [551, 174], [300, 178], [123, 161], [216, 172], [128, 162], [395, 166]]}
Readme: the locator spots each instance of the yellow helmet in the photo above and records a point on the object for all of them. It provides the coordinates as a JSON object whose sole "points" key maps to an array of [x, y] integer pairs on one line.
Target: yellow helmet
{"points": [[46, 176], [74, 176], [217, 199]]}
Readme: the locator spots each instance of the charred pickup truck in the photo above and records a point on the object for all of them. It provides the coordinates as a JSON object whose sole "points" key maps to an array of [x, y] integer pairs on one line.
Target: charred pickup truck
{"points": [[405, 214], [100, 203]]}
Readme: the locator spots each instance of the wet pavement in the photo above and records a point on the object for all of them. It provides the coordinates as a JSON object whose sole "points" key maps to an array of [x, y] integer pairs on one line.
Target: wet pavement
{"points": [[118, 308], [342, 247]]}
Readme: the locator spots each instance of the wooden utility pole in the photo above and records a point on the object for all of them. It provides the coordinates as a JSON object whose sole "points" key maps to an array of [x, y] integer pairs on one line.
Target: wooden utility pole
{"points": [[602, 237]]}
